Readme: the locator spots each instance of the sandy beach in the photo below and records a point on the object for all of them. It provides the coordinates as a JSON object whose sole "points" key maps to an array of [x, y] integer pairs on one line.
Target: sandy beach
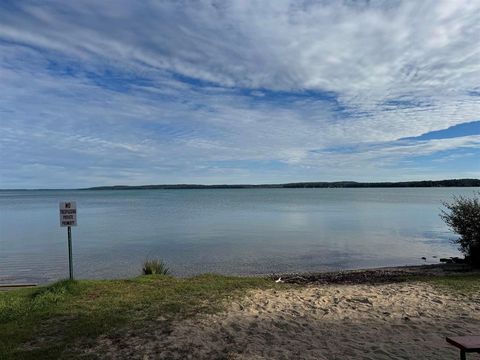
{"points": [[364, 321]]}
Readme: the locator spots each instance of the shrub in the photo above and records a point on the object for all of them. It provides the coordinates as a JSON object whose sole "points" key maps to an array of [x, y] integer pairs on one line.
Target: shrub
{"points": [[155, 267], [463, 217]]}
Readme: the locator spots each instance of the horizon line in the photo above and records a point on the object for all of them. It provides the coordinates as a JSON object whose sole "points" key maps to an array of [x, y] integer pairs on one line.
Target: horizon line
{"points": [[279, 185]]}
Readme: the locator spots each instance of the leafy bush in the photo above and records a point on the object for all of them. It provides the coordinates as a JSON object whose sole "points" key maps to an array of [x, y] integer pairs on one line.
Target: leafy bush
{"points": [[155, 267], [463, 217]]}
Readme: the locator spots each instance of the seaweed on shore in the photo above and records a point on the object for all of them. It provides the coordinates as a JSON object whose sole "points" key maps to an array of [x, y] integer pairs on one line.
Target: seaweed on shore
{"points": [[371, 276]]}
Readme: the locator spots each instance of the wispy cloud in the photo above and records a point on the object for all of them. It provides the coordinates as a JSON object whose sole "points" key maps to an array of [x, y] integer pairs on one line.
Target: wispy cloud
{"points": [[207, 91]]}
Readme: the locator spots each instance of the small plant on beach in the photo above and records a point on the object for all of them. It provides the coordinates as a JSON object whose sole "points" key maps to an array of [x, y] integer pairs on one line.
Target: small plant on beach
{"points": [[463, 217], [158, 267]]}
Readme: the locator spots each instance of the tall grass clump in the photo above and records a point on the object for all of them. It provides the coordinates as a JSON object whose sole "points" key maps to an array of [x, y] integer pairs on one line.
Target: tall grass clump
{"points": [[158, 267], [54, 293]]}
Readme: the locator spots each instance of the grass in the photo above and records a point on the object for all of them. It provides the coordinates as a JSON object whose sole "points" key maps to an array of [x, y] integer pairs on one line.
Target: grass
{"points": [[157, 267], [464, 284], [49, 322]]}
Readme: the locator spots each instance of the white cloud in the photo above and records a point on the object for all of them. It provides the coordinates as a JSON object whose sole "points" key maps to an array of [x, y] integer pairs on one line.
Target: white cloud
{"points": [[284, 78], [383, 47]]}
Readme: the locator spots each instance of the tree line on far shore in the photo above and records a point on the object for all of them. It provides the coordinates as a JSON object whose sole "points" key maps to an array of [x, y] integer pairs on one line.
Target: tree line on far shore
{"points": [[336, 184]]}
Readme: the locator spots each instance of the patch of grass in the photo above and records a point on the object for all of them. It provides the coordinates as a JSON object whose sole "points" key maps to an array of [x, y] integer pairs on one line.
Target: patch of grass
{"points": [[155, 267], [49, 322], [461, 284]]}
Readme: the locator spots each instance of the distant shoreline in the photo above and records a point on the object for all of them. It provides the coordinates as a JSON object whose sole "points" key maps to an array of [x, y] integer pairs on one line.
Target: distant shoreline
{"points": [[295, 185]]}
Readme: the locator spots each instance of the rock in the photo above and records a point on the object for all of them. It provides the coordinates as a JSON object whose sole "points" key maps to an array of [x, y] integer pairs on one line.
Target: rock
{"points": [[453, 260], [362, 300]]}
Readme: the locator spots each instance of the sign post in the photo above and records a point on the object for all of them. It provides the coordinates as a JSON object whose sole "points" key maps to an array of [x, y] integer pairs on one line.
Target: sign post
{"points": [[68, 218], [70, 262]]}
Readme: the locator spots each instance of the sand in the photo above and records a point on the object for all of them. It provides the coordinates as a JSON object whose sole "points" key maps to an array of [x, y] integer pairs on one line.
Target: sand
{"points": [[386, 321]]}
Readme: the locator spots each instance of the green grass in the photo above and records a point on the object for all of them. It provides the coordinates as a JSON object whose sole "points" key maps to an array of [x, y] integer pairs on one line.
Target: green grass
{"points": [[464, 284], [48, 322], [157, 267]]}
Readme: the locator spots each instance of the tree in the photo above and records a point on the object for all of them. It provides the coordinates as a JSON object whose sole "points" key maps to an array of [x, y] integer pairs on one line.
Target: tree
{"points": [[463, 217]]}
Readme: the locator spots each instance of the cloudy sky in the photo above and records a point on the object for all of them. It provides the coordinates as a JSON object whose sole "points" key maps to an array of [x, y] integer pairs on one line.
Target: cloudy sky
{"points": [[141, 92]]}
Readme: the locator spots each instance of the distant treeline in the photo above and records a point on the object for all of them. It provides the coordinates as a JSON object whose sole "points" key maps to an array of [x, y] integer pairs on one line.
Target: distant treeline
{"points": [[337, 184], [353, 184]]}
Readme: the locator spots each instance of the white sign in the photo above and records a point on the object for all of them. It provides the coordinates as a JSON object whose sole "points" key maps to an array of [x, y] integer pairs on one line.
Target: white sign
{"points": [[68, 213]]}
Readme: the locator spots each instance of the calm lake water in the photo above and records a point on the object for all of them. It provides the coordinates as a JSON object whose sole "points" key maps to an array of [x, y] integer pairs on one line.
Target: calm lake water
{"points": [[237, 231]]}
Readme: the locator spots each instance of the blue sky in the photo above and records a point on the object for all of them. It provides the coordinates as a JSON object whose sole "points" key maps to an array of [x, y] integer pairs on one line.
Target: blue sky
{"points": [[141, 92]]}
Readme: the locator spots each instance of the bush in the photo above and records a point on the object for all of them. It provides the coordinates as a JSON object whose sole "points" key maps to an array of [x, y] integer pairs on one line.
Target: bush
{"points": [[155, 267], [463, 217]]}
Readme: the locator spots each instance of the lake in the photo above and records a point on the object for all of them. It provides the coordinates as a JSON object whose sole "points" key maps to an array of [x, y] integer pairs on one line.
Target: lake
{"points": [[228, 231]]}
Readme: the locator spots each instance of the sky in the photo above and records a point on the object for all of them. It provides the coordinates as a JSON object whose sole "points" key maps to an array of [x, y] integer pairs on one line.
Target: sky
{"points": [[226, 92]]}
